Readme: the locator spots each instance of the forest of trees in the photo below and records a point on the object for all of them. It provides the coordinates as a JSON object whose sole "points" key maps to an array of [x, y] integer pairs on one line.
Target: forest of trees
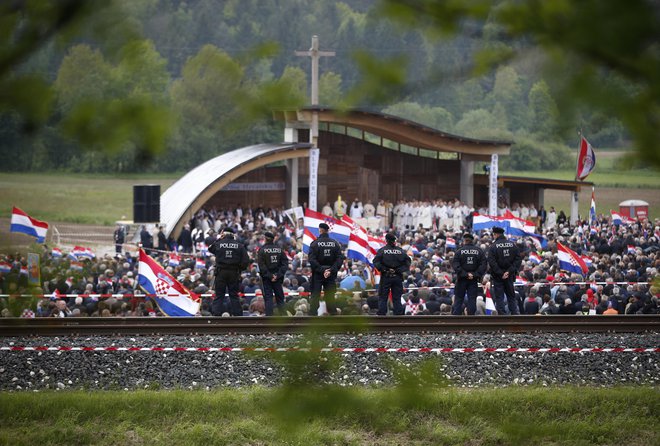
{"points": [[204, 75]]}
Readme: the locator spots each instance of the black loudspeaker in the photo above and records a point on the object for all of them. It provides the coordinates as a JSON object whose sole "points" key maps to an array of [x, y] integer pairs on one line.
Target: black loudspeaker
{"points": [[146, 203]]}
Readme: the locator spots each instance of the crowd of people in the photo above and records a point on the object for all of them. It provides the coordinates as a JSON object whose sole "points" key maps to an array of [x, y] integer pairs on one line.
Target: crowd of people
{"points": [[624, 261]]}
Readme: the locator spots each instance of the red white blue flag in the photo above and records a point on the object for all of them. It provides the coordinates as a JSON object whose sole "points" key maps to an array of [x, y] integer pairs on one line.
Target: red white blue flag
{"points": [[175, 259], [339, 230], [592, 209], [358, 243], [308, 238], [617, 219], [534, 258], [586, 159], [23, 223], [376, 242], [172, 298], [80, 252], [570, 261], [490, 305]]}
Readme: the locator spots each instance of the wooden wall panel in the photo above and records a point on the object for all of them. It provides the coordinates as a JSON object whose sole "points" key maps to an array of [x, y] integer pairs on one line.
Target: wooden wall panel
{"points": [[275, 198]]}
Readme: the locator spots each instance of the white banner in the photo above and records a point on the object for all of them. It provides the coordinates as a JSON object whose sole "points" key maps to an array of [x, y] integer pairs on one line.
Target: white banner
{"points": [[492, 191], [295, 214], [314, 155]]}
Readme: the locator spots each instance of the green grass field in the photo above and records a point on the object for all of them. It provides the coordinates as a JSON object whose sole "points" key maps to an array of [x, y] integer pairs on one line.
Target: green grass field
{"points": [[633, 179], [335, 416], [91, 199]]}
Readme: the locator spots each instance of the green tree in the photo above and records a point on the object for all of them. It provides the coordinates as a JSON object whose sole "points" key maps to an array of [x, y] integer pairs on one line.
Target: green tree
{"points": [[142, 71], [544, 113], [84, 76], [202, 96], [469, 96], [482, 124], [508, 91], [94, 99], [435, 117], [105, 120], [203, 99], [330, 89]]}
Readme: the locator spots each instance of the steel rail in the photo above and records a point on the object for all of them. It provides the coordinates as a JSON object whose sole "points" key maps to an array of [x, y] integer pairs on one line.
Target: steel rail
{"points": [[11, 327]]}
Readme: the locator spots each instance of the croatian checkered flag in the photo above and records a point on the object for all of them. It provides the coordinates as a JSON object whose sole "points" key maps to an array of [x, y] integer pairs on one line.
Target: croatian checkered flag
{"points": [[172, 298]]}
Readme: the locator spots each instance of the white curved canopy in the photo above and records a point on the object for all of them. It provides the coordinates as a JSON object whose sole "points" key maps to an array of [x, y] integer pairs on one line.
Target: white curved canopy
{"points": [[181, 200]]}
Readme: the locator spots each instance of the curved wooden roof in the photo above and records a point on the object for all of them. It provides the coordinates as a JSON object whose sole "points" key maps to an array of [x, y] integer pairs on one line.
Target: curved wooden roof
{"points": [[400, 130]]}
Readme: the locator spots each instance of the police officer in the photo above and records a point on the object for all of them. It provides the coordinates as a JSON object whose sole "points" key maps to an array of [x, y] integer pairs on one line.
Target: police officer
{"points": [[504, 260], [231, 258], [393, 263], [325, 258], [273, 264], [470, 265]]}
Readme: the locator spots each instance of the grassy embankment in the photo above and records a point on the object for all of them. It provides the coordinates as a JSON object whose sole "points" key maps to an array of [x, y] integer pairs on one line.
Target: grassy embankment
{"points": [[513, 416]]}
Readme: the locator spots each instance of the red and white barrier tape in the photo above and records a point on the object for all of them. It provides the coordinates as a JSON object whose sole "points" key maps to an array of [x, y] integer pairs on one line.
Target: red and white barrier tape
{"points": [[331, 349], [294, 293]]}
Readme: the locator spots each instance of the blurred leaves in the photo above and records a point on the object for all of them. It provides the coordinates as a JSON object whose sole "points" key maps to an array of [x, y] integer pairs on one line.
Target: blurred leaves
{"points": [[106, 105], [205, 89], [308, 393], [586, 44], [383, 79]]}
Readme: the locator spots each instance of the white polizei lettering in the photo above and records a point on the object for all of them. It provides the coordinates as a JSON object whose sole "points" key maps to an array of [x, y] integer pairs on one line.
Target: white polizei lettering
{"points": [[326, 244], [228, 245], [272, 250], [391, 251], [473, 252]]}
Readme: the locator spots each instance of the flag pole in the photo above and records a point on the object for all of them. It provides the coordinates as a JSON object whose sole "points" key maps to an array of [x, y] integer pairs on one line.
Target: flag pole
{"points": [[577, 160]]}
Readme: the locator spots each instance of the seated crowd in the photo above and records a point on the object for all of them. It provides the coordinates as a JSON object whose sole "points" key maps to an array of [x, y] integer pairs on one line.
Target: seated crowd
{"points": [[624, 263]]}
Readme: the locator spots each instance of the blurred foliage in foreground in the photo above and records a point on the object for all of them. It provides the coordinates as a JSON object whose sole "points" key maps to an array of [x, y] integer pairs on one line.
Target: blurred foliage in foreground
{"points": [[160, 86], [600, 54]]}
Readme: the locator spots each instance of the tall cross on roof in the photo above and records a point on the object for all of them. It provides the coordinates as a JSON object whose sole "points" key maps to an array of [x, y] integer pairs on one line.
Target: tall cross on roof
{"points": [[315, 54]]}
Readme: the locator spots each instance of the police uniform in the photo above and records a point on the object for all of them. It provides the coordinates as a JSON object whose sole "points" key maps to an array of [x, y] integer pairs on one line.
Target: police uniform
{"points": [[273, 264], [231, 258], [468, 260], [324, 254], [503, 257], [392, 262]]}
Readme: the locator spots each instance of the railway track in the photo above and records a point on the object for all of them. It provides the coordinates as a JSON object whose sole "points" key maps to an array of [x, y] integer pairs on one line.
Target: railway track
{"points": [[10, 327]]}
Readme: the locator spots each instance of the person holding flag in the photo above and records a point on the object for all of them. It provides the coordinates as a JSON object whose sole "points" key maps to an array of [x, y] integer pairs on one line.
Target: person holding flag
{"points": [[470, 265], [273, 264], [325, 258], [231, 258], [392, 262], [504, 260]]}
